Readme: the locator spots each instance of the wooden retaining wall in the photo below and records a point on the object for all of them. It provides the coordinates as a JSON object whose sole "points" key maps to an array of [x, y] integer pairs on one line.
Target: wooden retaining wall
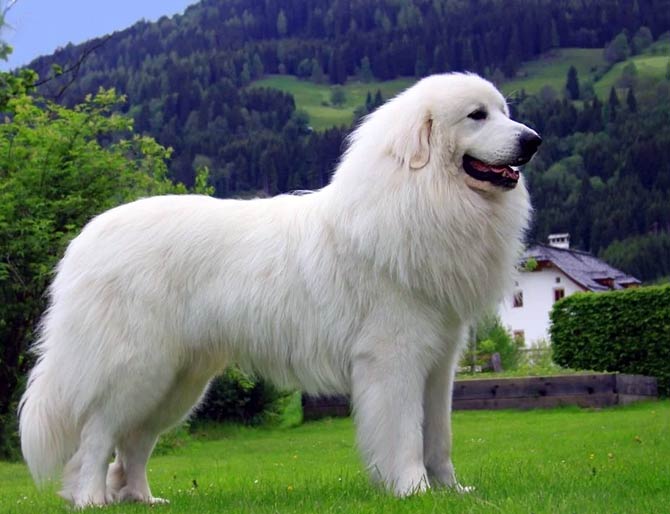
{"points": [[596, 390]]}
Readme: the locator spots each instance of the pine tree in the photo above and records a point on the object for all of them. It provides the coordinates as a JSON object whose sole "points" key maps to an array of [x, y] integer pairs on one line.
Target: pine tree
{"points": [[439, 60], [378, 99], [631, 101], [420, 63], [245, 75], [282, 23], [368, 102], [337, 96], [572, 84], [618, 49], [365, 72], [318, 76], [257, 69], [613, 104], [513, 53], [555, 39], [337, 68]]}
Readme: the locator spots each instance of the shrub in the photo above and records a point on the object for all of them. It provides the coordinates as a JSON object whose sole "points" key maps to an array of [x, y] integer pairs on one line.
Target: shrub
{"points": [[538, 360], [491, 337], [59, 167], [235, 396], [173, 439], [337, 96], [625, 331]]}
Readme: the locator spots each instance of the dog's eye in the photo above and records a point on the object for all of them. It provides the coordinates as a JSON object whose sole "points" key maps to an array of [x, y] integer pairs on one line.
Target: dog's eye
{"points": [[479, 114]]}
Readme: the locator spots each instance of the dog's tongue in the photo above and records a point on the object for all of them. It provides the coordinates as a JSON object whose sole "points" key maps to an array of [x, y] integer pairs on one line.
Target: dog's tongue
{"points": [[497, 174], [499, 169], [486, 168]]}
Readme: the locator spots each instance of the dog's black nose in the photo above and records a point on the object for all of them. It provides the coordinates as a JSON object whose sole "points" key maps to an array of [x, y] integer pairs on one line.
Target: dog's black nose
{"points": [[528, 144]]}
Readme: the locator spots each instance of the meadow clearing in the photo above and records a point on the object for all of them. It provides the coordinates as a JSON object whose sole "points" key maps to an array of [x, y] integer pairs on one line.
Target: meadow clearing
{"points": [[549, 69]]}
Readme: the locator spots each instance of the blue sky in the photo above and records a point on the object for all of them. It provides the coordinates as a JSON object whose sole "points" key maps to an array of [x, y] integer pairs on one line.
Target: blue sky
{"points": [[38, 27]]}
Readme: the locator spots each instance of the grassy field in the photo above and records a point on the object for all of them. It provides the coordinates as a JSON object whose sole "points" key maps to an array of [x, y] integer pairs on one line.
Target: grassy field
{"points": [[553, 461], [551, 69], [648, 66], [315, 98]]}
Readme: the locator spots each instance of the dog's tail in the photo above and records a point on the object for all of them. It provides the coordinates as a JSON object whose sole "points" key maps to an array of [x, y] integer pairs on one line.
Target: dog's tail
{"points": [[49, 434]]}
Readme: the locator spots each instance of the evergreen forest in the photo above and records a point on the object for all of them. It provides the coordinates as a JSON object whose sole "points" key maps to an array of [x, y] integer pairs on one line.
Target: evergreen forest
{"points": [[603, 173]]}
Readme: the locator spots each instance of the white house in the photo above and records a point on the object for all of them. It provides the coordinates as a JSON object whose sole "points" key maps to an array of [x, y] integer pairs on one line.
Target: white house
{"points": [[548, 273]]}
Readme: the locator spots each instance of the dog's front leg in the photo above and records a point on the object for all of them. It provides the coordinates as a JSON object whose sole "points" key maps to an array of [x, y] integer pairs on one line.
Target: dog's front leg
{"points": [[387, 395]]}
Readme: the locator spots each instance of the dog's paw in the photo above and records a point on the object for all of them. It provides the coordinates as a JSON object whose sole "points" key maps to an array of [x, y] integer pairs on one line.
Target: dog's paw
{"points": [[463, 489], [130, 495], [411, 483], [86, 502], [155, 500], [443, 475]]}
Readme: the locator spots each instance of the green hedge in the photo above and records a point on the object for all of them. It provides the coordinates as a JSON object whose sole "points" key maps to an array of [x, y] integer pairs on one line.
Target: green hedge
{"points": [[625, 331]]}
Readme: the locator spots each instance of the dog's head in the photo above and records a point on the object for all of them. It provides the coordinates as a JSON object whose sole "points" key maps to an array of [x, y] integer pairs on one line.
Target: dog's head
{"points": [[460, 122]]}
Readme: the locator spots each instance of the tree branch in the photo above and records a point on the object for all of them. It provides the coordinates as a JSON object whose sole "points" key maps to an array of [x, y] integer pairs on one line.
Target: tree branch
{"points": [[73, 70]]}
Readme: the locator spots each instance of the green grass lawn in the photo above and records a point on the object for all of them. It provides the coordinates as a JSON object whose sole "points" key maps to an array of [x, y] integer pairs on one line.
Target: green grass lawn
{"points": [[311, 97], [546, 461]]}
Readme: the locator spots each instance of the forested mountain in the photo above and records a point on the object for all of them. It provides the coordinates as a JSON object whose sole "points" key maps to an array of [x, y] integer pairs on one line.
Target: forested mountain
{"points": [[602, 174]]}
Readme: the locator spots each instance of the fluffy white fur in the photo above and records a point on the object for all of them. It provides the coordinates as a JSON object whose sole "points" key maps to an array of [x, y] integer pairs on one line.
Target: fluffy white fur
{"points": [[365, 287]]}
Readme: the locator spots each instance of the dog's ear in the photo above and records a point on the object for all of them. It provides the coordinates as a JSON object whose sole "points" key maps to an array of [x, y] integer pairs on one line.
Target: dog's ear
{"points": [[420, 153], [411, 143]]}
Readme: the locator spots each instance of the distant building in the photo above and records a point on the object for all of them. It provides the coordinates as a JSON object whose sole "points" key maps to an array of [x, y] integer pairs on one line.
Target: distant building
{"points": [[548, 273]]}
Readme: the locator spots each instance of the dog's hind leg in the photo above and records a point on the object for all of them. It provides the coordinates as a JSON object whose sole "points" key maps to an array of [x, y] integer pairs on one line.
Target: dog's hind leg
{"points": [[84, 480], [127, 476], [116, 477]]}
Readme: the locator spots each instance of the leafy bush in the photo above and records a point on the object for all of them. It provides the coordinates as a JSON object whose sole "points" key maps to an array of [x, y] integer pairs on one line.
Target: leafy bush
{"points": [[491, 337], [626, 331], [59, 167], [235, 396], [538, 360], [174, 439]]}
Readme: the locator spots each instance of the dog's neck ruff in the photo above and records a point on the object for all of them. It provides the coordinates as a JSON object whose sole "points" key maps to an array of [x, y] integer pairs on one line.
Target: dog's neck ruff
{"points": [[456, 247]]}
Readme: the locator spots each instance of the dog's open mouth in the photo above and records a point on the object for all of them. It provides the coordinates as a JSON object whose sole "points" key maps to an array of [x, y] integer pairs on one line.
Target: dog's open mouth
{"points": [[499, 175]]}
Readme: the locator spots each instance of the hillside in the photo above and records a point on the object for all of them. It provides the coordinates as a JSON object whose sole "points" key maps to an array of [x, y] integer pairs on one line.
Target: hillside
{"points": [[546, 71], [551, 69], [187, 80]]}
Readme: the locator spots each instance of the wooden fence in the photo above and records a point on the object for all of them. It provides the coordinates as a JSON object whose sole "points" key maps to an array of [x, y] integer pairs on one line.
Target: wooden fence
{"points": [[595, 390]]}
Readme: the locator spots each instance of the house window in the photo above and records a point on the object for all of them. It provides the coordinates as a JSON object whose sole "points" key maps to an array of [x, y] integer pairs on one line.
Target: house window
{"points": [[519, 337], [518, 299], [558, 280], [559, 293]]}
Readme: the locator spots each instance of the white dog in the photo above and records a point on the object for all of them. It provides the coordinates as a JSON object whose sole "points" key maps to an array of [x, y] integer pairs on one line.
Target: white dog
{"points": [[364, 287]]}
